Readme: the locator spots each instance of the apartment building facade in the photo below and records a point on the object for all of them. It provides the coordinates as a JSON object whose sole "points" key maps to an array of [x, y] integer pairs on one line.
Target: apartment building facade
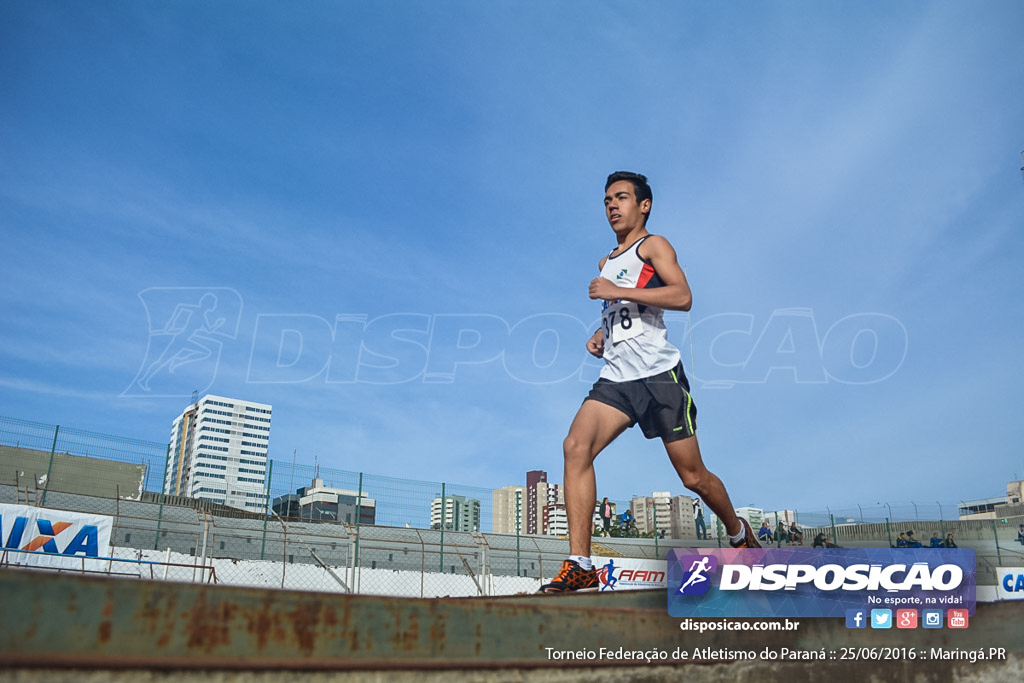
{"points": [[508, 510], [219, 449]]}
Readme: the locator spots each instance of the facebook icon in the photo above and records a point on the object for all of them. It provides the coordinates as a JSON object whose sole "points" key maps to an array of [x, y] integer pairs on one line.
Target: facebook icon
{"points": [[856, 618]]}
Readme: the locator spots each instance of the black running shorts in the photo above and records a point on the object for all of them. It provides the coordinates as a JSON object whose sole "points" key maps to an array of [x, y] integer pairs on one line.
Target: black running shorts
{"points": [[660, 404]]}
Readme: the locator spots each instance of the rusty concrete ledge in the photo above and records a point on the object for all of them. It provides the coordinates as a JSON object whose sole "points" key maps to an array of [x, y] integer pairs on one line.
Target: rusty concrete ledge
{"points": [[1011, 671], [73, 621]]}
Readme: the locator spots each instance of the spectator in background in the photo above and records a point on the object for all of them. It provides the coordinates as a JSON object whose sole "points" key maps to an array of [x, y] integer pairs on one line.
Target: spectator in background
{"points": [[606, 515], [936, 541], [901, 542], [702, 529], [764, 533], [627, 525], [1020, 535], [795, 535], [822, 541], [913, 542], [948, 543]]}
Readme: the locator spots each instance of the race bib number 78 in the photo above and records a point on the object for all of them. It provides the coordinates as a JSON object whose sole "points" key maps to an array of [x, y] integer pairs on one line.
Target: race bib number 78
{"points": [[621, 321]]}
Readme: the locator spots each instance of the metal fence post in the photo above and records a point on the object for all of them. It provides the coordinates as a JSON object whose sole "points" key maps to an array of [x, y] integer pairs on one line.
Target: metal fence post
{"points": [[284, 553], [995, 535], [49, 468], [441, 554], [163, 486], [518, 571], [359, 514], [655, 531], [266, 511]]}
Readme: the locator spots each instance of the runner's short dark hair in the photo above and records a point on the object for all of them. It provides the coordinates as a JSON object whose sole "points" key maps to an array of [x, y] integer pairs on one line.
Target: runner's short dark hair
{"points": [[640, 187]]}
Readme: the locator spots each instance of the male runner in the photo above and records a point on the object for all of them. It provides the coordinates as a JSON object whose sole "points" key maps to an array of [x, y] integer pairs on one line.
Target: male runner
{"points": [[642, 380]]}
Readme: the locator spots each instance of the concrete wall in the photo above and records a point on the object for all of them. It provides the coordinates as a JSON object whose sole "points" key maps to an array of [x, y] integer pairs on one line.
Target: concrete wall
{"points": [[69, 474]]}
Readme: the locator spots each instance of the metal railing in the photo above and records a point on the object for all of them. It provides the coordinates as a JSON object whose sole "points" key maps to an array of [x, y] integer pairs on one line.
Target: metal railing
{"points": [[60, 468]]}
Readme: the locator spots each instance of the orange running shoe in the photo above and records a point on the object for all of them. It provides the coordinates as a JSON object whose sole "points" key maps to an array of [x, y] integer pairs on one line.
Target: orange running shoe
{"points": [[571, 577]]}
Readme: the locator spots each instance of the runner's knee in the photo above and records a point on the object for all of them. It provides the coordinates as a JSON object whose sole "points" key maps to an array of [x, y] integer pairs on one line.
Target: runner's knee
{"points": [[694, 480], [576, 451]]}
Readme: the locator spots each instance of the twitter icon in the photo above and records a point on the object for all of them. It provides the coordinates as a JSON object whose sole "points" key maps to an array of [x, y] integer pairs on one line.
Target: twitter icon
{"points": [[881, 618]]}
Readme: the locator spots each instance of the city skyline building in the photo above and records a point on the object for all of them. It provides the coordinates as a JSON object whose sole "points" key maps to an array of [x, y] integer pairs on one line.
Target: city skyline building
{"points": [[663, 512], [682, 517], [218, 452], [534, 478], [753, 515], [508, 510], [457, 514], [318, 502], [786, 516], [556, 520], [545, 505]]}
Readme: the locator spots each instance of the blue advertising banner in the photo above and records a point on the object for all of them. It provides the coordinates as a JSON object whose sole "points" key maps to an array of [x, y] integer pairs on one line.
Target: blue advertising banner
{"points": [[811, 582]]}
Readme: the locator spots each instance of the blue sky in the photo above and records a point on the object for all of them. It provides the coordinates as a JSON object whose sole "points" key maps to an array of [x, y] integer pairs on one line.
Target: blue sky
{"points": [[841, 182]]}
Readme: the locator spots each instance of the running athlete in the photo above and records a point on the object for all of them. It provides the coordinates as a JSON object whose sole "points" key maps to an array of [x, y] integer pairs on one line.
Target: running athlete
{"points": [[642, 381]]}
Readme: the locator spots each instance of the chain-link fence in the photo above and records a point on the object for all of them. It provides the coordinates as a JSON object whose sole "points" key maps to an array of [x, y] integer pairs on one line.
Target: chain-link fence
{"points": [[38, 458], [405, 538], [195, 544], [157, 539], [42, 458]]}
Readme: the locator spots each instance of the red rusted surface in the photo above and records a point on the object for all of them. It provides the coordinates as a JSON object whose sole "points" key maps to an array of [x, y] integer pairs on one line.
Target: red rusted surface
{"points": [[67, 620]]}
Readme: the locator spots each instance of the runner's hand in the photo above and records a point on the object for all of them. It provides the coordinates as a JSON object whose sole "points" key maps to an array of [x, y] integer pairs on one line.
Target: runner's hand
{"points": [[603, 288], [595, 345]]}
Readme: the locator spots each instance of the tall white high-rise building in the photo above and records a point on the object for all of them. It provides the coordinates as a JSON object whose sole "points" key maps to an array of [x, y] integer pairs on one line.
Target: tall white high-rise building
{"points": [[219, 452]]}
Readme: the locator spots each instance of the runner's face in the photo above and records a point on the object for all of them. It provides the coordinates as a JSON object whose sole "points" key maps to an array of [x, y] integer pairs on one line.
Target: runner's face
{"points": [[621, 209]]}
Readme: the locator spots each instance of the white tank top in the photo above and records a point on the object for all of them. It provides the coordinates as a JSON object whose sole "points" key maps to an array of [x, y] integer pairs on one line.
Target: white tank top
{"points": [[636, 342]]}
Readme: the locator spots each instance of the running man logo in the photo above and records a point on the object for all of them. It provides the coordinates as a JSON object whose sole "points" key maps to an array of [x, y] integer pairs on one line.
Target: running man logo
{"points": [[606, 576], [188, 327], [86, 541], [695, 578], [805, 582]]}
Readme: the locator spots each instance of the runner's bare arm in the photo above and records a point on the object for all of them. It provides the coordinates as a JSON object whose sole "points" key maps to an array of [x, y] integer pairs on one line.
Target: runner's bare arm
{"points": [[674, 296], [595, 345]]}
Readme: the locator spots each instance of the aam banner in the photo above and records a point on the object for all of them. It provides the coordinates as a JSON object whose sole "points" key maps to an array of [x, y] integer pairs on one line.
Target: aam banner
{"points": [[806, 582], [52, 538], [625, 573]]}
